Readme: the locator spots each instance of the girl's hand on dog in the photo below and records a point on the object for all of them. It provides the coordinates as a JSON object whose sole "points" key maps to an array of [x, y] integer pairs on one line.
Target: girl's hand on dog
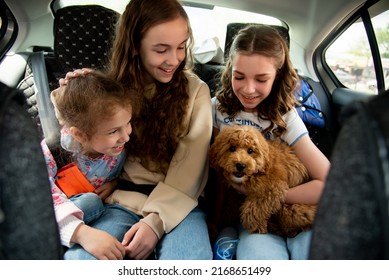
{"points": [[74, 74]]}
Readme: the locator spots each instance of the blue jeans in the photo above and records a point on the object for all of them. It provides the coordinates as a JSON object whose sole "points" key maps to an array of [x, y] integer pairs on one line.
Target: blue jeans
{"points": [[272, 247], [91, 204], [189, 240]]}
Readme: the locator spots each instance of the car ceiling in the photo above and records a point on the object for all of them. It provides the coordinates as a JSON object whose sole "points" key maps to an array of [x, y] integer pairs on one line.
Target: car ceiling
{"points": [[310, 20]]}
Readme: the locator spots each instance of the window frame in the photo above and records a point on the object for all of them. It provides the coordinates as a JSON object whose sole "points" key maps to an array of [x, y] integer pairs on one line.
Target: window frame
{"points": [[323, 69], [8, 29]]}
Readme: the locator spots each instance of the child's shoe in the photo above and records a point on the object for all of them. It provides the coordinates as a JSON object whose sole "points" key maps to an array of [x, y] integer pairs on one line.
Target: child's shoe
{"points": [[226, 244]]}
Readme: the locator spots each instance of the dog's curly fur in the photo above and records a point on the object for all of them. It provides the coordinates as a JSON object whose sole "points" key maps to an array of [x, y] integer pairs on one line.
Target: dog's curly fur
{"points": [[267, 169]]}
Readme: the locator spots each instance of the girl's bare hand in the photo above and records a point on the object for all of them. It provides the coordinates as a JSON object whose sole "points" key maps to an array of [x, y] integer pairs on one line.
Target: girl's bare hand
{"points": [[106, 190], [98, 243], [140, 241], [74, 74]]}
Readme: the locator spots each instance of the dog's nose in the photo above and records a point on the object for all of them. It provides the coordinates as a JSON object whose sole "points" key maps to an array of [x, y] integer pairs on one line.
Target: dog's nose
{"points": [[240, 166]]}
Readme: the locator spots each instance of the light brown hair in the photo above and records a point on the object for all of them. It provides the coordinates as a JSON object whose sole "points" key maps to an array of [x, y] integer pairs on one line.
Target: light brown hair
{"points": [[87, 99], [263, 40]]}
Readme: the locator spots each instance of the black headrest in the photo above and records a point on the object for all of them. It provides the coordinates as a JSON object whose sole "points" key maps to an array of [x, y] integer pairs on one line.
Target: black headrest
{"points": [[233, 28], [83, 36]]}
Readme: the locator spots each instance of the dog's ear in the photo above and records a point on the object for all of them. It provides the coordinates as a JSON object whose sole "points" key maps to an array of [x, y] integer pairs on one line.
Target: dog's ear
{"points": [[262, 151], [219, 147]]}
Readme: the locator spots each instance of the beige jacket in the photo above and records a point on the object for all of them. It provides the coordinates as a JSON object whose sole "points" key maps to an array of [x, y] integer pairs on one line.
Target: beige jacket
{"points": [[177, 191]]}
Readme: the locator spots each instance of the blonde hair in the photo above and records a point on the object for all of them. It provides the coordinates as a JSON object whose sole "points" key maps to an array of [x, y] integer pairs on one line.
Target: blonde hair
{"points": [[263, 40]]}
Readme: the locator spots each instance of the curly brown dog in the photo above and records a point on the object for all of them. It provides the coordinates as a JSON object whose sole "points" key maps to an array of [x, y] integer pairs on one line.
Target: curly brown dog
{"points": [[266, 169]]}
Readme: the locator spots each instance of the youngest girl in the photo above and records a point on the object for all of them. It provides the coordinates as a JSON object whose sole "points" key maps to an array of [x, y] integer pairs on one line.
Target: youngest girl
{"points": [[95, 113]]}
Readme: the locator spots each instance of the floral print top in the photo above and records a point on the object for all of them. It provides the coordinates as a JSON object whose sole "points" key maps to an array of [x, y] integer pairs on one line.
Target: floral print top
{"points": [[98, 171]]}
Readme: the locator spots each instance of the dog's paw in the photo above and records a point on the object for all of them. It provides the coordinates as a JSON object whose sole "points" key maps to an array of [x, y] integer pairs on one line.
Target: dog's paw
{"points": [[293, 219], [254, 216], [261, 230], [254, 228]]}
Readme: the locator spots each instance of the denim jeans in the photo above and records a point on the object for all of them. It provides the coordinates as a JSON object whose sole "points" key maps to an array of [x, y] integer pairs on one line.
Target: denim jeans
{"points": [[91, 204], [273, 247], [189, 240]]}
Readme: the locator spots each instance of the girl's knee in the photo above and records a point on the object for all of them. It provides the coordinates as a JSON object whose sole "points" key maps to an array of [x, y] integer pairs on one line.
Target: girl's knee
{"points": [[78, 253], [91, 198], [87, 200], [261, 247], [299, 245], [90, 204]]}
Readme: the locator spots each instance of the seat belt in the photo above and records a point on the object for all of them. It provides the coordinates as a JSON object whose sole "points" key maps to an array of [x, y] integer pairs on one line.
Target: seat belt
{"points": [[49, 122]]}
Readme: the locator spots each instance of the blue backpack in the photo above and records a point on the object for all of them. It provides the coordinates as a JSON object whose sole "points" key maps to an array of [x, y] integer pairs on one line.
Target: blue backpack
{"points": [[308, 105]]}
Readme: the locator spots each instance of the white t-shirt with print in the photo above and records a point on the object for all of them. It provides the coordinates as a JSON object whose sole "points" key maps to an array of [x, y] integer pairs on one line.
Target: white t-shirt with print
{"points": [[295, 127]]}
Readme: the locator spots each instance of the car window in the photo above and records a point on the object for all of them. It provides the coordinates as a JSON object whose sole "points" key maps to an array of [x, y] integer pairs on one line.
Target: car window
{"points": [[351, 59], [203, 17], [8, 29]]}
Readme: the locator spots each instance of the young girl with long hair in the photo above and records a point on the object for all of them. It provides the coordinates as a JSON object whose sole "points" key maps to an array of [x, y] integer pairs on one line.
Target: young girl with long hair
{"points": [[257, 87], [157, 199]]}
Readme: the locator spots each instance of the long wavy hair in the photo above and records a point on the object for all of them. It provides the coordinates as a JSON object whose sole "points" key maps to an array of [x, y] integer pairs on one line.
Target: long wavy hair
{"points": [[263, 40], [158, 125]]}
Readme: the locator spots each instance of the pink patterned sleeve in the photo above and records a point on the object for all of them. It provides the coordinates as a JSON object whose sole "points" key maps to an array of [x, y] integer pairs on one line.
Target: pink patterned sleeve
{"points": [[68, 215]]}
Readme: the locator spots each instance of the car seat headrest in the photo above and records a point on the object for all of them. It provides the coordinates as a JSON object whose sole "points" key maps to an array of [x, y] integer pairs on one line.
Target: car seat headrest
{"points": [[83, 36], [233, 28]]}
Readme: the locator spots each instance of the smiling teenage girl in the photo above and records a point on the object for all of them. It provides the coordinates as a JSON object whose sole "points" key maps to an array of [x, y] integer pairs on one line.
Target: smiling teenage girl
{"points": [[166, 170]]}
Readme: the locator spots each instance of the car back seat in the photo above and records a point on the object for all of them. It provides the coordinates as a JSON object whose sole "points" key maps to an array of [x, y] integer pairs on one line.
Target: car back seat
{"points": [[83, 36]]}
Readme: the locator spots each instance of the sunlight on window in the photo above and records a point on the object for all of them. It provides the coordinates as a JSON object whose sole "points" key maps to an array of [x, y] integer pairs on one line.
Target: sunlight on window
{"points": [[204, 27], [350, 57]]}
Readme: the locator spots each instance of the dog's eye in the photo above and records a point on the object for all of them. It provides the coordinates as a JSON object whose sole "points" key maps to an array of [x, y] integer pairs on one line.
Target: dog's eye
{"points": [[232, 149], [250, 151]]}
